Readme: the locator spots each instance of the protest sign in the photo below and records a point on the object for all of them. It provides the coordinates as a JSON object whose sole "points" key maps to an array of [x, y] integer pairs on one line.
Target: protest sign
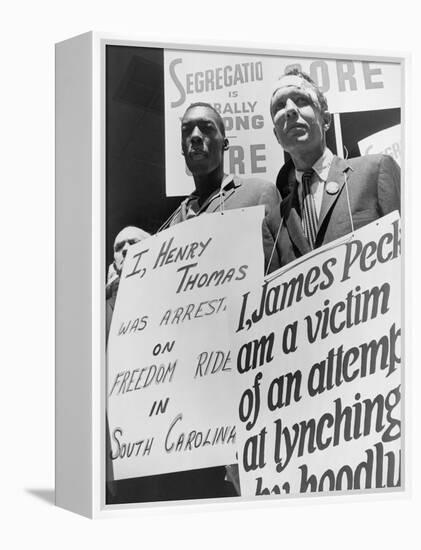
{"points": [[387, 142], [240, 86], [318, 357], [170, 367]]}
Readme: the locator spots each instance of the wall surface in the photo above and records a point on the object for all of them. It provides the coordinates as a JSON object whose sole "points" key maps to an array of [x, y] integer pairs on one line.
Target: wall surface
{"points": [[28, 33]]}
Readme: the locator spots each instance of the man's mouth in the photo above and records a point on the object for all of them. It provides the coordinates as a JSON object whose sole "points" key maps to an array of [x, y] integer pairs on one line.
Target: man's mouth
{"points": [[197, 153], [296, 128]]}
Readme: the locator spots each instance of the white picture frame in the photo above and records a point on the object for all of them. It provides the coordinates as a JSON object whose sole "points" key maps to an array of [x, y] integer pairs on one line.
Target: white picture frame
{"points": [[81, 271]]}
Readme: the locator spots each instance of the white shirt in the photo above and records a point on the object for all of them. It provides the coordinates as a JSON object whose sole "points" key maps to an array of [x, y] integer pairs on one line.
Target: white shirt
{"points": [[321, 170]]}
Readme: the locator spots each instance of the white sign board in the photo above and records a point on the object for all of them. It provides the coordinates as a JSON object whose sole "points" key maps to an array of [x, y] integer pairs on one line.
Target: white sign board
{"points": [[387, 142], [170, 368], [318, 357]]}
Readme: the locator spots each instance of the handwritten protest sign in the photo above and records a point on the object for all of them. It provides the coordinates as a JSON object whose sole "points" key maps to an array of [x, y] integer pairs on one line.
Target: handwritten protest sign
{"points": [[240, 86], [170, 367], [318, 354]]}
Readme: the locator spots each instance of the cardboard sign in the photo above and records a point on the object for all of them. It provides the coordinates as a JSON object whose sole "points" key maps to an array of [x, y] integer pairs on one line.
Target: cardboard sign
{"points": [[240, 87], [387, 142], [318, 357], [170, 368]]}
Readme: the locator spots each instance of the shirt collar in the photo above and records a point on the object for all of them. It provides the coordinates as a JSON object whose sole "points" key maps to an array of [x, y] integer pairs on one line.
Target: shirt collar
{"points": [[190, 204], [321, 166]]}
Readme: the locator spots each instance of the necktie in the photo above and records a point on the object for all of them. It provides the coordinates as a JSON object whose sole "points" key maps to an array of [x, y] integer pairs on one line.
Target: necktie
{"points": [[309, 216]]}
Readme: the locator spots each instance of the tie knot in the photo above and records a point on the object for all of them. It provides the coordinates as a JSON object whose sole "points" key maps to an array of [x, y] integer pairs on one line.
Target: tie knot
{"points": [[308, 174], [306, 181], [309, 214]]}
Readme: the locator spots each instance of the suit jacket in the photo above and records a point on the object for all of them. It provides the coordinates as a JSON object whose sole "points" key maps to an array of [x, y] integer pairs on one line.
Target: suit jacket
{"points": [[373, 183], [238, 193]]}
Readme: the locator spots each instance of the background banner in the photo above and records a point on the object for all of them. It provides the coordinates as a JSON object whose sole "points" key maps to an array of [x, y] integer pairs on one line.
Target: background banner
{"points": [[318, 354], [170, 368], [240, 86]]}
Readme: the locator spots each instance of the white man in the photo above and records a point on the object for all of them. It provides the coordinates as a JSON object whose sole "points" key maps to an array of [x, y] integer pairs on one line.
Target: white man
{"points": [[125, 238], [330, 197]]}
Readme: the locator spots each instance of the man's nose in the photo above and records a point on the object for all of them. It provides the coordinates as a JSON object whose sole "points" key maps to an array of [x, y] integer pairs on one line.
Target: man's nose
{"points": [[291, 108], [196, 136], [124, 251]]}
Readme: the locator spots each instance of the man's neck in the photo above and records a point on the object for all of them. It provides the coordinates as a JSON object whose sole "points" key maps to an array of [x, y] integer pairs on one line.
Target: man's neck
{"points": [[306, 160], [206, 184]]}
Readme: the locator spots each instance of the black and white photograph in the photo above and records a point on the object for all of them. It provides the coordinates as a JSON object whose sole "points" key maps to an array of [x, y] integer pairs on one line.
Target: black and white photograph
{"points": [[210, 316], [253, 274]]}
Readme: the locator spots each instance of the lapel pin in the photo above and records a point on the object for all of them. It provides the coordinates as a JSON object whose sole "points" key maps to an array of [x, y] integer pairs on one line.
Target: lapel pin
{"points": [[332, 187]]}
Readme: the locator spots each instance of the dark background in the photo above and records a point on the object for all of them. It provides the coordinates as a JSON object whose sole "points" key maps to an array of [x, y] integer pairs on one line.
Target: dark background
{"points": [[357, 126], [135, 142]]}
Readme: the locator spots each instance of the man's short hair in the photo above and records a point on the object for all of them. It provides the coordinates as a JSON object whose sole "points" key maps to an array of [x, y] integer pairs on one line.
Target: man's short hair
{"points": [[219, 120], [294, 71]]}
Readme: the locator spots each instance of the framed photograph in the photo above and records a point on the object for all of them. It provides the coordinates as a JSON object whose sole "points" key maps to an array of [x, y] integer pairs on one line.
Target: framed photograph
{"points": [[230, 298]]}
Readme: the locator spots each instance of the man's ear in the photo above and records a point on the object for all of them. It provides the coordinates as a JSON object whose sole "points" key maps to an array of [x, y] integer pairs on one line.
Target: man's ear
{"points": [[326, 120], [226, 144]]}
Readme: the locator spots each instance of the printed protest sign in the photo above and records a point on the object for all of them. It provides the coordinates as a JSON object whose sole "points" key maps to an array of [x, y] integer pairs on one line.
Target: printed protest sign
{"points": [[170, 373], [318, 355], [240, 86], [387, 142]]}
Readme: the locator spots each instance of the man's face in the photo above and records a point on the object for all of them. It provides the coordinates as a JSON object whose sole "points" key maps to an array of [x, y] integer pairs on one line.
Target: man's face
{"points": [[126, 237], [202, 141], [299, 123]]}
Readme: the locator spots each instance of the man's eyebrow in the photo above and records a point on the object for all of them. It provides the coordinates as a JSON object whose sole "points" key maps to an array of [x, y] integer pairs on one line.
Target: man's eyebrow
{"points": [[294, 92], [198, 121]]}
